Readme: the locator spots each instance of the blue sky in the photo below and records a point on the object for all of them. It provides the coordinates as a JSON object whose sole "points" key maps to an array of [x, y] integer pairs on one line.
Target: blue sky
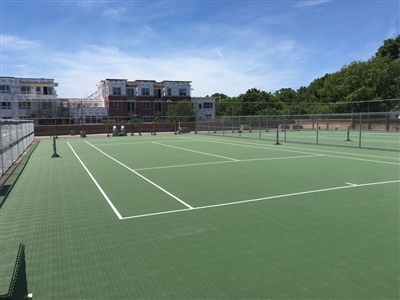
{"points": [[221, 46]]}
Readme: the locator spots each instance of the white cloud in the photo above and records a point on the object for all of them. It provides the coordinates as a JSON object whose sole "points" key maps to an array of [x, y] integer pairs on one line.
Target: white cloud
{"points": [[10, 42], [114, 12], [150, 30], [307, 3], [209, 70]]}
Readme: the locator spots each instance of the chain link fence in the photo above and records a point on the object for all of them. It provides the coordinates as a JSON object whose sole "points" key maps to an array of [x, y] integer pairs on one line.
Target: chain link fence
{"points": [[361, 130], [15, 138]]}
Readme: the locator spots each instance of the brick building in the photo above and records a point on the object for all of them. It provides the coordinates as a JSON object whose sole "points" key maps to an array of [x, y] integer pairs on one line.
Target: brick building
{"points": [[144, 98]]}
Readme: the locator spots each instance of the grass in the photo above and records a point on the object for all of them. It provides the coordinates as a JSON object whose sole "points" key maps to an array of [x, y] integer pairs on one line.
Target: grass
{"points": [[260, 220]]}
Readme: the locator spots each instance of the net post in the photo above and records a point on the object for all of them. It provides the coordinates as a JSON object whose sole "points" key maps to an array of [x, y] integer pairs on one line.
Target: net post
{"points": [[348, 135], [55, 155], [277, 136]]}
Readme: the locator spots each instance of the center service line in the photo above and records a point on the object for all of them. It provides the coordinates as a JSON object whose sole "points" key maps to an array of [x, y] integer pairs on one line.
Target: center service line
{"points": [[141, 176]]}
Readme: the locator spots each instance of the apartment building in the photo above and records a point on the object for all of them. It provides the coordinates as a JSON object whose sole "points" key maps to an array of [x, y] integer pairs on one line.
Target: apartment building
{"points": [[115, 99], [204, 107], [28, 98], [145, 98]]}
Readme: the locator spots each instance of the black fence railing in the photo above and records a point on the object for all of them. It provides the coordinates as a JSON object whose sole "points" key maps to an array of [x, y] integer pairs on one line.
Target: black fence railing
{"points": [[18, 288]]}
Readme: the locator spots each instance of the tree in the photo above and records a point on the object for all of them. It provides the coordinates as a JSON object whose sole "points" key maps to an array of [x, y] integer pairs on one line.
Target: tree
{"points": [[346, 90], [254, 101], [222, 104], [390, 49], [181, 111]]}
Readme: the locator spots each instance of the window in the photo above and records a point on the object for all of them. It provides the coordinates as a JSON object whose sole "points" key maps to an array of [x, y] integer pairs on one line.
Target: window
{"points": [[131, 106], [92, 119], [157, 93], [130, 93], [157, 106], [118, 105], [145, 91], [48, 90], [5, 105], [24, 105], [25, 89], [146, 105], [169, 92], [208, 105], [5, 89], [200, 106], [116, 91], [46, 105], [182, 92], [38, 90]]}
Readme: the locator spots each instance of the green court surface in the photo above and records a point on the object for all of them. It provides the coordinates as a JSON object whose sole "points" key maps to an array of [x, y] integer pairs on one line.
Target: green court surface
{"points": [[205, 217]]}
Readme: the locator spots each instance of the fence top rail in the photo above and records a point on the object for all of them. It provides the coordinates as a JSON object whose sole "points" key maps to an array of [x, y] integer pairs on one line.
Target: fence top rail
{"points": [[313, 115]]}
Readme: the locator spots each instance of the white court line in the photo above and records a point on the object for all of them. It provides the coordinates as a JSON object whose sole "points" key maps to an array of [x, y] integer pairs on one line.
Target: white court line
{"points": [[180, 148], [228, 162], [312, 150], [263, 199], [363, 159], [352, 184], [97, 185], [141, 176]]}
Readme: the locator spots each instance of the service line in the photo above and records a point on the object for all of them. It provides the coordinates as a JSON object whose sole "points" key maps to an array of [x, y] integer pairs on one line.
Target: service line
{"points": [[347, 186]]}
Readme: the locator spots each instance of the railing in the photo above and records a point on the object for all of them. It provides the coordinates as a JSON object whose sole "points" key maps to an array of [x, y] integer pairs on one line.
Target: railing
{"points": [[15, 138]]}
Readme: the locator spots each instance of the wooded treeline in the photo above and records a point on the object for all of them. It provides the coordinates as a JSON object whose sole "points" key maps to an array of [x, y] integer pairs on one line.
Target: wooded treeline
{"points": [[361, 86]]}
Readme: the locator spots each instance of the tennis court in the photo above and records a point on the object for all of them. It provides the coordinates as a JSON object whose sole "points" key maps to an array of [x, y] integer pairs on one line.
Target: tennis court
{"points": [[205, 217]]}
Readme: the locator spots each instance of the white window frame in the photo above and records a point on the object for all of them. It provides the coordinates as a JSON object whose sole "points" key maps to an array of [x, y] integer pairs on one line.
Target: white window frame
{"points": [[146, 105], [6, 105], [5, 89], [130, 93], [24, 105], [117, 105], [145, 91], [116, 91], [208, 105], [25, 89], [46, 105]]}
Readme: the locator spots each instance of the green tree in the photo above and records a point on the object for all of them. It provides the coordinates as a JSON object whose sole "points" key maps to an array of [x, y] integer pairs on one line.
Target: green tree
{"points": [[222, 104], [390, 49], [254, 101], [181, 111]]}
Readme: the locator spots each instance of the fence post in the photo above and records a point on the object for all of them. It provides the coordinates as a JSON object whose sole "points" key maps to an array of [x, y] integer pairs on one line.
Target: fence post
{"points": [[317, 128], [359, 140]]}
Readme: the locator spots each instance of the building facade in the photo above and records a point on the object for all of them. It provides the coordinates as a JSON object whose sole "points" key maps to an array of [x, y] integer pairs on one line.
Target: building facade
{"points": [[204, 107], [141, 98], [28, 98], [115, 99]]}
